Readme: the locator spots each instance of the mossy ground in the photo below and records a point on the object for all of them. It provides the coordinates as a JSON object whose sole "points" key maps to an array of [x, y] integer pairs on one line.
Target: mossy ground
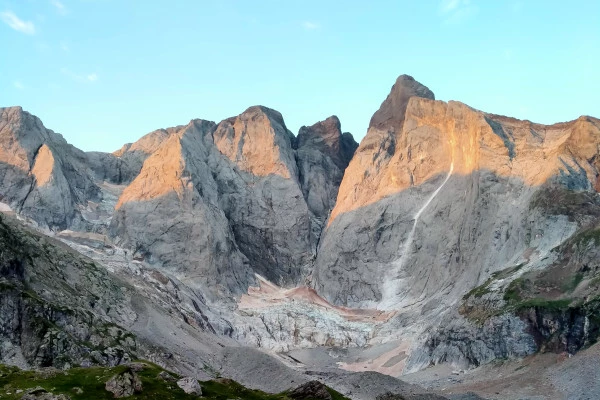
{"points": [[88, 383]]}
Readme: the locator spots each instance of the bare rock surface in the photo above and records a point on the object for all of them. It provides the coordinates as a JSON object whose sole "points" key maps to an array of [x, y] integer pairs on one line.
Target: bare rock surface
{"points": [[310, 390], [124, 384], [236, 184], [439, 197], [190, 386], [43, 177]]}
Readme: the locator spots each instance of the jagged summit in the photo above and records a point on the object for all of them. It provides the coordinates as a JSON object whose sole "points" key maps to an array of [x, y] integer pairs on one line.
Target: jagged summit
{"points": [[327, 136], [391, 112]]}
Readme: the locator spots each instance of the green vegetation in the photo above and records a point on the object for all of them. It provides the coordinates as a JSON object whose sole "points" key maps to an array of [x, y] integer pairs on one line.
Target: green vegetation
{"points": [[572, 284], [479, 291], [514, 289], [513, 296], [88, 383], [587, 236], [550, 305], [484, 289]]}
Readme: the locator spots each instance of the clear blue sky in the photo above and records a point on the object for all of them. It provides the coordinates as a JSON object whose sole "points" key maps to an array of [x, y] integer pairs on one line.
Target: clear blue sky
{"points": [[105, 72]]}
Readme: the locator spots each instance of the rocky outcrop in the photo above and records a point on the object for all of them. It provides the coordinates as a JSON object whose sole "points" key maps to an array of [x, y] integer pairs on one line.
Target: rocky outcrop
{"points": [[392, 396], [465, 345], [165, 376], [169, 215], [310, 390], [124, 384], [261, 195], [190, 386], [255, 196]]}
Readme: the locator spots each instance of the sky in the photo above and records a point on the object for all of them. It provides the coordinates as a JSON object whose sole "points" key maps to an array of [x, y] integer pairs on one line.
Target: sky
{"points": [[106, 72]]}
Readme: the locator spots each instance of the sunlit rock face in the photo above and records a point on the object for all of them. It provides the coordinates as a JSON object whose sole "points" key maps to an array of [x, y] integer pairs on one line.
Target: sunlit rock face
{"points": [[43, 177], [220, 202], [213, 202], [468, 177]]}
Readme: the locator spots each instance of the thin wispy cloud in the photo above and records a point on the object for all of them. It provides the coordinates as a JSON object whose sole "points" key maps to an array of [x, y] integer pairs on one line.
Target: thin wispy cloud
{"points": [[18, 85], [310, 25], [457, 11], [10, 19], [60, 7], [64, 47], [82, 78]]}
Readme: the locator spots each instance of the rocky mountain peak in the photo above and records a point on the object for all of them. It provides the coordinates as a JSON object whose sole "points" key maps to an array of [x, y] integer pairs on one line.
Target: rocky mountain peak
{"points": [[392, 110], [327, 137], [258, 142], [21, 135]]}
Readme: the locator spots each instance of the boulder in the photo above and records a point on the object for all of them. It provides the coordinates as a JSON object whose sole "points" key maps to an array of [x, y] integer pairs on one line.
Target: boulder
{"points": [[124, 384], [190, 386], [165, 376]]}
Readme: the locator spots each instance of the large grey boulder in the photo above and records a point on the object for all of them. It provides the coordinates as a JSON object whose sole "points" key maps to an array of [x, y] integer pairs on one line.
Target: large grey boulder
{"points": [[190, 386], [124, 384]]}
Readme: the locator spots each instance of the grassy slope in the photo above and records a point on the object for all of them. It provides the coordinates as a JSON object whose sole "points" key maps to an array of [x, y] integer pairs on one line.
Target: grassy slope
{"points": [[91, 381]]}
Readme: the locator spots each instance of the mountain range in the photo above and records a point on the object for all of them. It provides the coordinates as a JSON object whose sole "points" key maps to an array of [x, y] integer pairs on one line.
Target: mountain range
{"points": [[449, 241]]}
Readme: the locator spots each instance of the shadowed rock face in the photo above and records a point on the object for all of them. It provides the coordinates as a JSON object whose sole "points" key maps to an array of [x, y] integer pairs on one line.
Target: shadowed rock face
{"points": [[323, 155]]}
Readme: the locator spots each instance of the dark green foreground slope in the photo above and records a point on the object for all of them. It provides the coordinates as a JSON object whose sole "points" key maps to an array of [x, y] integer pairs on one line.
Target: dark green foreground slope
{"points": [[89, 383]]}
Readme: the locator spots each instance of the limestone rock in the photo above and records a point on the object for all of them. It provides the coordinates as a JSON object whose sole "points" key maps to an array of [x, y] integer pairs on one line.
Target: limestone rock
{"points": [[165, 376], [311, 390], [169, 214], [438, 199], [420, 396], [258, 142], [190, 386], [323, 155], [392, 111], [124, 384], [41, 175], [235, 188], [261, 194], [425, 203], [108, 167]]}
